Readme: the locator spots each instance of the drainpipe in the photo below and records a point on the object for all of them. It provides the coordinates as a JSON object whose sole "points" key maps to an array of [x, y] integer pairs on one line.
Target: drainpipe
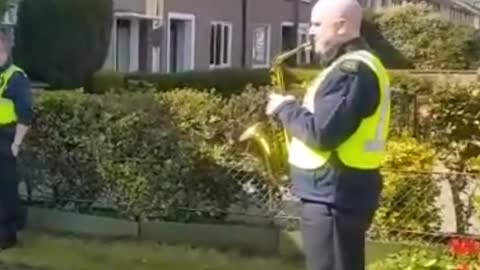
{"points": [[244, 32], [296, 14], [296, 21]]}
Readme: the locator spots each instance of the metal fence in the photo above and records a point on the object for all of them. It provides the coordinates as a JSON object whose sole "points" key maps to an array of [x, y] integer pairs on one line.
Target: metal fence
{"points": [[427, 207]]}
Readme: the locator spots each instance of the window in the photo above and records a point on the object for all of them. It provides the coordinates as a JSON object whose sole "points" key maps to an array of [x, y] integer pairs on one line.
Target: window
{"points": [[220, 44], [261, 45]]}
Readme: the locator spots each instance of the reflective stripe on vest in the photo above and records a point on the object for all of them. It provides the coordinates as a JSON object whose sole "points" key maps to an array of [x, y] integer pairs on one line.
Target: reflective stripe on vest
{"points": [[365, 148], [7, 107]]}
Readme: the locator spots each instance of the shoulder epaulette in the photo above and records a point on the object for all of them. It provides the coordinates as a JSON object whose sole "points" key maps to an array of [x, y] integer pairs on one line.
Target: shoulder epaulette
{"points": [[350, 65]]}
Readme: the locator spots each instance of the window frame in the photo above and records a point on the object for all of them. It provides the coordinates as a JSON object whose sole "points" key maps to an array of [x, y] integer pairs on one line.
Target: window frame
{"points": [[228, 63]]}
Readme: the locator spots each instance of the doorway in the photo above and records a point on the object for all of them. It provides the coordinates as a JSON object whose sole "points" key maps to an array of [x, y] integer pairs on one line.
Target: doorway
{"points": [[181, 42], [123, 45], [289, 41]]}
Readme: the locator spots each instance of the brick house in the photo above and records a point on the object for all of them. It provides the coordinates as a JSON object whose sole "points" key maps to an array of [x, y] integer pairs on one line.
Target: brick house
{"points": [[181, 35]]}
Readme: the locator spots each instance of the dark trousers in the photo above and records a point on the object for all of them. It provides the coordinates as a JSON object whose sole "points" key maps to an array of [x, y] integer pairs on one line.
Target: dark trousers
{"points": [[10, 209], [333, 240]]}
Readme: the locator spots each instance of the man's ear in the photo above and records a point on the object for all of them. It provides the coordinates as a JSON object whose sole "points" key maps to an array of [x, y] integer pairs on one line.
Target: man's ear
{"points": [[341, 26]]}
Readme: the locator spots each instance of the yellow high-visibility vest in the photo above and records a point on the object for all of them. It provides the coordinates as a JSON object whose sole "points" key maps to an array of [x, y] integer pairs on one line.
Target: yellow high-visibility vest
{"points": [[7, 107], [365, 148]]}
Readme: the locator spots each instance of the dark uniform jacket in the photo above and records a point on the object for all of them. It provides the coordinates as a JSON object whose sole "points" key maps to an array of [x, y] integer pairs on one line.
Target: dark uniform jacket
{"points": [[345, 97]]}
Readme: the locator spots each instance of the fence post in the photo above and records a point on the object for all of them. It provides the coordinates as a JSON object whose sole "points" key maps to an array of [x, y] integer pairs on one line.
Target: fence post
{"points": [[415, 116]]}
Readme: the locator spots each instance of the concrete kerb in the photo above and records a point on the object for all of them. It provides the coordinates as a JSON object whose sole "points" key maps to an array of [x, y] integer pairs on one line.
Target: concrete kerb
{"points": [[251, 240]]}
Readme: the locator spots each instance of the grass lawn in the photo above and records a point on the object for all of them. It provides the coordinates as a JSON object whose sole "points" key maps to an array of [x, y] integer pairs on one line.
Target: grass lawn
{"points": [[68, 253], [50, 252]]}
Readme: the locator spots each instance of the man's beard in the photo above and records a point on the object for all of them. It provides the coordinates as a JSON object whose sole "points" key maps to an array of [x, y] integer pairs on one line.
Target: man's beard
{"points": [[327, 56]]}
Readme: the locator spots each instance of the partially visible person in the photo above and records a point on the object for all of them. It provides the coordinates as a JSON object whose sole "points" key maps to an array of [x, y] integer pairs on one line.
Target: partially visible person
{"points": [[16, 113]]}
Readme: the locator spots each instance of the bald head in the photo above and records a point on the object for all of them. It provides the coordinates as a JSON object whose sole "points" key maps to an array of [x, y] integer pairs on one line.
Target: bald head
{"points": [[334, 22]]}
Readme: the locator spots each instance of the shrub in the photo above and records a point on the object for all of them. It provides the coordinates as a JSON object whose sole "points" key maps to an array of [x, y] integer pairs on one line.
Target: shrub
{"points": [[224, 81], [459, 254], [63, 42], [410, 191], [105, 81], [170, 156], [422, 39], [452, 125], [416, 258], [59, 156], [145, 164]]}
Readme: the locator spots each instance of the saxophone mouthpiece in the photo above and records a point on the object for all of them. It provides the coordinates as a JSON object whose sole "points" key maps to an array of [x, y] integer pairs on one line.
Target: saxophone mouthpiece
{"points": [[308, 46]]}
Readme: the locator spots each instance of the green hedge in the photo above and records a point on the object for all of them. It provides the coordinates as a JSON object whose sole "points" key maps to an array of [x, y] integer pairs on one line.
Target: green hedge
{"points": [[224, 81], [228, 82], [106, 81], [161, 155], [153, 156]]}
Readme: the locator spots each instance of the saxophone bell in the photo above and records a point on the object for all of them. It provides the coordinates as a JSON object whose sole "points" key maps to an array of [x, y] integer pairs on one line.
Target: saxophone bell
{"points": [[273, 146], [254, 132]]}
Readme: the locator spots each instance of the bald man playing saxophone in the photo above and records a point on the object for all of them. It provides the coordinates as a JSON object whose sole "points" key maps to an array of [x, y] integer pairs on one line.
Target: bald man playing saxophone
{"points": [[338, 133]]}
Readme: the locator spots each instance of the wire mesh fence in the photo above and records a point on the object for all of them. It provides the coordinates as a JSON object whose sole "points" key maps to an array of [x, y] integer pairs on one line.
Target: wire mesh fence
{"points": [[416, 206]]}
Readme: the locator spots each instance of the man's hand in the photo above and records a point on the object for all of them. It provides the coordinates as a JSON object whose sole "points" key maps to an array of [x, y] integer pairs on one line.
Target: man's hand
{"points": [[15, 149], [20, 133], [274, 102]]}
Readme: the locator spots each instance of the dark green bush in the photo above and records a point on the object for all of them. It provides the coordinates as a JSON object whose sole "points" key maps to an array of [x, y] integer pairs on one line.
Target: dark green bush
{"points": [[170, 156], [63, 42], [144, 163], [414, 36], [224, 81], [105, 81], [59, 158]]}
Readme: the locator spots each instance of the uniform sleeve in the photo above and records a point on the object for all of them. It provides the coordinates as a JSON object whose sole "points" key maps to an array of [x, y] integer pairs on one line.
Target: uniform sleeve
{"points": [[20, 92], [343, 100]]}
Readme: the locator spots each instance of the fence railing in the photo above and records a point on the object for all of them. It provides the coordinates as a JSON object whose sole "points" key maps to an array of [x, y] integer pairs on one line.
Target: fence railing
{"points": [[416, 206]]}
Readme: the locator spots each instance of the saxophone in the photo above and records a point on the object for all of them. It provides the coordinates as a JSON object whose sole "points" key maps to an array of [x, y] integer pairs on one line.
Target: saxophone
{"points": [[273, 143]]}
